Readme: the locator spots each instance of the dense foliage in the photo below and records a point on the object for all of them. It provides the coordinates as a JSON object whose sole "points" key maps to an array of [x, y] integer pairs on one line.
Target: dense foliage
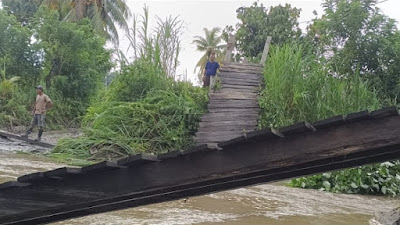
{"points": [[102, 14], [152, 114], [378, 179], [75, 63], [356, 36], [257, 23]]}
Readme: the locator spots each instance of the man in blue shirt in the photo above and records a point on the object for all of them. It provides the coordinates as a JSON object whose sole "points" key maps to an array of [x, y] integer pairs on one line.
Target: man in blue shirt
{"points": [[210, 71]]}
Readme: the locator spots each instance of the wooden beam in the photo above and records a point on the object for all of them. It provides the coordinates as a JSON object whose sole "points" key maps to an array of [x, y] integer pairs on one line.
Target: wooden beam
{"points": [[254, 158], [18, 137], [266, 50], [229, 48]]}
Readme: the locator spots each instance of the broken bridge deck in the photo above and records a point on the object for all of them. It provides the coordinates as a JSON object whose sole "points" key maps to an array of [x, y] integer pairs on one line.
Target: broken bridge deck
{"points": [[259, 157]]}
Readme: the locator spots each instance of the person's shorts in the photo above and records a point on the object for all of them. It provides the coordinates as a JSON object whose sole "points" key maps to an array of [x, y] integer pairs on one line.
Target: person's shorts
{"points": [[38, 120], [208, 80]]}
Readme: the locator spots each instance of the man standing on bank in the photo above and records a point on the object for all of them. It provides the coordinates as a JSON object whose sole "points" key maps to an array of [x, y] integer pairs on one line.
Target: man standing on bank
{"points": [[42, 104], [210, 71]]}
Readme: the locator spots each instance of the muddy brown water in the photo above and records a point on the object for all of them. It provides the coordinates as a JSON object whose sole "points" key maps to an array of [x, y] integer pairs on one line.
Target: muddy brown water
{"points": [[272, 204]]}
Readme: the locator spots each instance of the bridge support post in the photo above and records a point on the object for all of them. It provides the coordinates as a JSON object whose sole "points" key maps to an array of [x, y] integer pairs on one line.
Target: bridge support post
{"points": [[229, 48], [266, 50]]}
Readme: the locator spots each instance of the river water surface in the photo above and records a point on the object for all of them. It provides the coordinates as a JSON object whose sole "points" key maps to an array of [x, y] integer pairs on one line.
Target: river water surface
{"points": [[272, 204]]}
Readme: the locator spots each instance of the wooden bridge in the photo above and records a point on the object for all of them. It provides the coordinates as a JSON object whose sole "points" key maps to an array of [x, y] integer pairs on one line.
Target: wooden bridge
{"points": [[233, 110], [242, 157]]}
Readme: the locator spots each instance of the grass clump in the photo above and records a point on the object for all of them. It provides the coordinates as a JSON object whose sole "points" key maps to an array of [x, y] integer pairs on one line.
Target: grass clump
{"points": [[299, 88], [143, 111]]}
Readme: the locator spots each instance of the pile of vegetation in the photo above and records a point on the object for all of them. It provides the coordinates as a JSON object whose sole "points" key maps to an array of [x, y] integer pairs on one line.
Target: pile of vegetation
{"points": [[143, 111]]}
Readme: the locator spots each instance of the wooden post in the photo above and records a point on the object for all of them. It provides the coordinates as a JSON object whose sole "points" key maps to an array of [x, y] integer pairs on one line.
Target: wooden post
{"points": [[229, 48], [266, 49]]}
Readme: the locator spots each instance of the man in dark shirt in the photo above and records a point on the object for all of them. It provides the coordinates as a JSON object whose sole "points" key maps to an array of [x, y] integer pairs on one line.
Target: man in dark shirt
{"points": [[210, 71]]}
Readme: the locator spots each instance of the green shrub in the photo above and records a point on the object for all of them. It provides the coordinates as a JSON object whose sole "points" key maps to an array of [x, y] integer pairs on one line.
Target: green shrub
{"points": [[383, 178]]}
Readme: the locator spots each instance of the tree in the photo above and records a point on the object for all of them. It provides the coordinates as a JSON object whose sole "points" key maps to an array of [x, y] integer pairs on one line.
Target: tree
{"points": [[356, 35], [257, 23], [103, 14], [75, 60], [17, 54], [23, 10], [212, 41]]}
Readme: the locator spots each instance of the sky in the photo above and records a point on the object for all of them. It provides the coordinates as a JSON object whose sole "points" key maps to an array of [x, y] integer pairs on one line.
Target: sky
{"points": [[199, 14]]}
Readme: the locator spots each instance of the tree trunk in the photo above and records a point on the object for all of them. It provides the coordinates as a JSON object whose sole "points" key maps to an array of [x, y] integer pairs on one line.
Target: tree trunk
{"points": [[80, 9], [55, 68]]}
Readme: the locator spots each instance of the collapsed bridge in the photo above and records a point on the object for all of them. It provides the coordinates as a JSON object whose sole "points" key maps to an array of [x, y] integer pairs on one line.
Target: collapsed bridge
{"points": [[239, 156], [254, 158]]}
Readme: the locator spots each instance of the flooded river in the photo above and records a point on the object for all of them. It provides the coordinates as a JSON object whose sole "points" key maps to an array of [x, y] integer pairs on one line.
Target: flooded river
{"points": [[272, 204]]}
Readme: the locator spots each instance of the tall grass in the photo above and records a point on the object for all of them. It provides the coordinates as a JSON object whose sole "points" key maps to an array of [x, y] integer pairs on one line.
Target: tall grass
{"points": [[298, 88]]}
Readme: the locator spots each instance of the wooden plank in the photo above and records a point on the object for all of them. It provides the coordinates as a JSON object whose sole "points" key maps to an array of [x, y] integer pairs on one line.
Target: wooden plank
{"points": [[230, 114], [245, 110], [235, 117], [228, 128], [219, 134], [63, 172], [228, 123], [137, 160], [33, 177], [388, 111], [240, 82], [229, 90], [240, 71], [354, 117], [234, 95], [239, 79], [216, 139], [265, 51], [241, 68], [12, 184], [240, 87], [242, 79], [18, 137], [232, 104], [100, 167], [229, 48], [330, 122], [240, 76], [244, 64], [296, 129]]}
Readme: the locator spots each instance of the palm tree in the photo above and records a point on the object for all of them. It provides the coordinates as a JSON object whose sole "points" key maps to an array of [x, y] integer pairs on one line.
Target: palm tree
{"points": [[212, 41], [103, 14]]}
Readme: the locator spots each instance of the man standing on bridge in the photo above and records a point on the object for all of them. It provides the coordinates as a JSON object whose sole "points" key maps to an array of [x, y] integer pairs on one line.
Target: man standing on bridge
{"points": [[210, 71], [42, 104]]}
